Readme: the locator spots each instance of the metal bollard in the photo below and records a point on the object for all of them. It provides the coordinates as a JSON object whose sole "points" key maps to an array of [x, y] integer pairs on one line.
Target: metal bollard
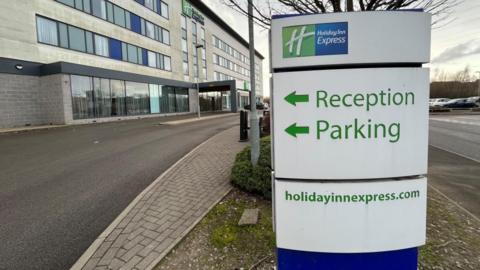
{"points": [[243, 126]]}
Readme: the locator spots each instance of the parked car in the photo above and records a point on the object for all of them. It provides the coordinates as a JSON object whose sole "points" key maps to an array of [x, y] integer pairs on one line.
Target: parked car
{"points": [[463, 103], [260, 106], [474, 99], [437, 102]]}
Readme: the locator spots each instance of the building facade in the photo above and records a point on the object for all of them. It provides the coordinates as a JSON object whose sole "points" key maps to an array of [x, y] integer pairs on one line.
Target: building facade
{"points": [[77, 61]]}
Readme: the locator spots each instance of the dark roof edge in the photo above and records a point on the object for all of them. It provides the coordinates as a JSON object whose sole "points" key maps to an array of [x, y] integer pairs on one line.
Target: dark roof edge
{"points": [[214, 17]]}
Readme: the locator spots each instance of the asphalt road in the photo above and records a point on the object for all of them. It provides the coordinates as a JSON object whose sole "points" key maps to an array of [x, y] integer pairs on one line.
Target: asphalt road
{"points": [[454, 158], [60, 188]]}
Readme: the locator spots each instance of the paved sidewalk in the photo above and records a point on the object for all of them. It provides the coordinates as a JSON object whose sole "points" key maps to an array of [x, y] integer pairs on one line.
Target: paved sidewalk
{"points": [[168, 209]]}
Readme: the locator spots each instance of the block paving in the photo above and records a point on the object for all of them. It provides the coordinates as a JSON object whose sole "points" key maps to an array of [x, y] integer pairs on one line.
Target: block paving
{"points": [[170, 208]]}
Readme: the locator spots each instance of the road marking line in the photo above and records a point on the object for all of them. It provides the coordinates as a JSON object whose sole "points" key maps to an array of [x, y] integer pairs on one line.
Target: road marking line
{"points": [[456, 121], [80, 263], [453, 152], [455, 203]]}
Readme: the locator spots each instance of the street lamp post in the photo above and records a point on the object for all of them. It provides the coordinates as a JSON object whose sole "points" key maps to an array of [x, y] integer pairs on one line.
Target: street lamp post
{"points": [[198, 47]]}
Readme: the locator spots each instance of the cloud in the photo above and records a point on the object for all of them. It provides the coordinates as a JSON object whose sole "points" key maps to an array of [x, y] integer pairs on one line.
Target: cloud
{"points": [[461, 50]]}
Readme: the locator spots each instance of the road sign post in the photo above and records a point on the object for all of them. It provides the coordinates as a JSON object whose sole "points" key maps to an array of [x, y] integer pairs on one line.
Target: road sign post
{"points": [[350, 139]]}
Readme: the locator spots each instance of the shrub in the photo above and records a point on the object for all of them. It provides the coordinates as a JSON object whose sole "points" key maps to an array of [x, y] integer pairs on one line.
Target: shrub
{"points": [[255, 179]]}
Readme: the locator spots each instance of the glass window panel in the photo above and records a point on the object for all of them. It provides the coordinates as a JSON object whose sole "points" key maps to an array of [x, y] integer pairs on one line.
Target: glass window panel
{"points": [[184, 22], [158, 34], [181, 96], [110, 12], [164, 10], [202, 33], [142, 25], [103, 99], [118, 98], [86, 6], [82, 97], [149, 4], [124, 52], [68, 2], [168, 99], [165, 36], [77, 38], [47, 31], [160, 64], [152, 59], [101, 45], [78, 4], [89, 37], [154, 98], [150, 29], [128, 23], [99, 9], [184, 45], [185, 68], [63, 35], [166, 62], [137, 98], [140, 56], [132, 54], [119, 15]]}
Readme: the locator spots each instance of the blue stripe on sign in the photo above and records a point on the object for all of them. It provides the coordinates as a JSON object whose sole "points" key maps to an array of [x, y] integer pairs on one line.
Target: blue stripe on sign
{"points": [[405, 259]]}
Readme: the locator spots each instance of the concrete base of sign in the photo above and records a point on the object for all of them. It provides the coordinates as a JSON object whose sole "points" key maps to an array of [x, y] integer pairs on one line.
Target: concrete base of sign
{"points": [[405, 259]]}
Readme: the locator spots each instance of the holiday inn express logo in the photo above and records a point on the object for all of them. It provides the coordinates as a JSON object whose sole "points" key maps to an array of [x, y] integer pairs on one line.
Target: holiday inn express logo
{"points": [[315, 39]]}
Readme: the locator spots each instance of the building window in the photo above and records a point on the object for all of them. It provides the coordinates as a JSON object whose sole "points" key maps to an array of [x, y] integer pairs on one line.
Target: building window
{"points": [[152, 59], [47, 31], [110, 12], [164, 10], [194, 32], [132, 54], [99, 9], [181, 95], [184, 45], [63, 33], [119, 16], [137, 98], [154, 98], [101, 46], [118, 98], [167, 63], [150, 30], [102, 97], [77, 38], [82, 97], [165, 36]]}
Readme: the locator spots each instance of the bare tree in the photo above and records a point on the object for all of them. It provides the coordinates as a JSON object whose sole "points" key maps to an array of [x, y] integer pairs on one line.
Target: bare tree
{"points": [[264, 9]]}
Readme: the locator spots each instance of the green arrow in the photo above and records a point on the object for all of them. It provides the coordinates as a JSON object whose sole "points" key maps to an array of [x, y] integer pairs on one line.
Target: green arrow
{"points": [[293, 98], [294, 130]]}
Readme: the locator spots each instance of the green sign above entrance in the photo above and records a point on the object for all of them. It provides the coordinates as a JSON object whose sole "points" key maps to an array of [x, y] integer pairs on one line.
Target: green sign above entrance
{"points": [[191, 12]]}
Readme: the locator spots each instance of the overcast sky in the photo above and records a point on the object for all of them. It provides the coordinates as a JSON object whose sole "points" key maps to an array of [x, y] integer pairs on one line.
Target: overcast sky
{"points": [[454, 46]]}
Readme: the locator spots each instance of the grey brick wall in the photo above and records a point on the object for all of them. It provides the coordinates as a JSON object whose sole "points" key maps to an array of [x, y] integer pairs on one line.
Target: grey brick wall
{"points": [[30, 100]]}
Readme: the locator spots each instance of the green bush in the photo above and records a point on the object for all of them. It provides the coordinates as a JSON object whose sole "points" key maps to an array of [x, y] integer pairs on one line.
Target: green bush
{"points": [[254, 179]]}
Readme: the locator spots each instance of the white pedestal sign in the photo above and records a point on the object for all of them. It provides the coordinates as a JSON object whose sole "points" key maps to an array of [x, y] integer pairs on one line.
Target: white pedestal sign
{"points": [[350, 139]]}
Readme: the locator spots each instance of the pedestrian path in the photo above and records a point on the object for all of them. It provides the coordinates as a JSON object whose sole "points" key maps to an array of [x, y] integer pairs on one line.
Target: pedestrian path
{"points": [[168, 209]]}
